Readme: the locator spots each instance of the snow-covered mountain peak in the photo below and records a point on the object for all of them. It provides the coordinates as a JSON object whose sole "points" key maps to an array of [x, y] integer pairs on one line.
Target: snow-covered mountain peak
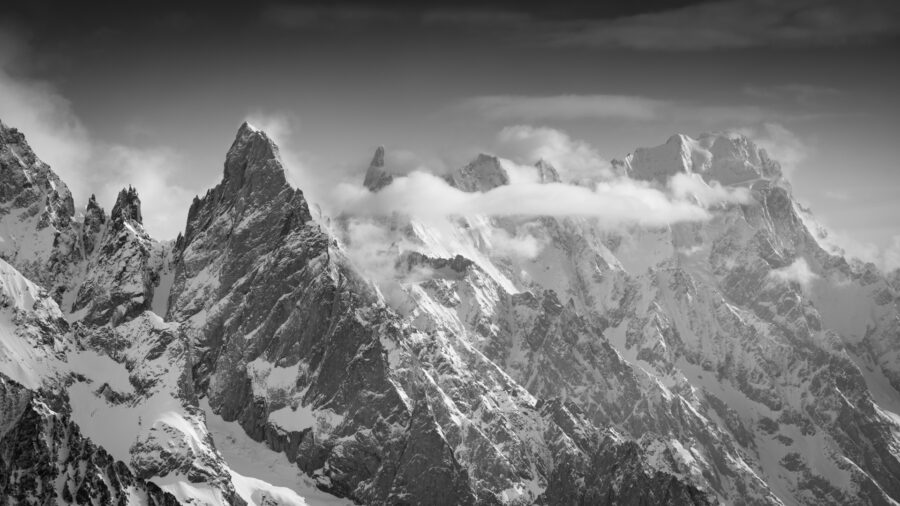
{"points": [[253, 161], [28, 182], [127, 207], [724, 157]]}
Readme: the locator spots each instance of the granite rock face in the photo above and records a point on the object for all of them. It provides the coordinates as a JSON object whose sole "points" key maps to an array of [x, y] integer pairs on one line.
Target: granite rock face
{"points": [[45, 459]]}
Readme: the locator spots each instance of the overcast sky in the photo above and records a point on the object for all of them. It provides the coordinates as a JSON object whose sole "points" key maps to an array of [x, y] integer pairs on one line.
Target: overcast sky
{"points": [[153, 95]]}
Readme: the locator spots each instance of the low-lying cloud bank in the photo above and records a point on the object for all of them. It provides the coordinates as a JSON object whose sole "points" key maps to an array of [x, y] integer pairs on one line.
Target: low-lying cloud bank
{"points": [[621, 201]]}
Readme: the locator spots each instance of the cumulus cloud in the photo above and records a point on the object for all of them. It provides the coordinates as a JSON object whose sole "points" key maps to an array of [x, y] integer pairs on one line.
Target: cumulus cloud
{"points": [[740, 24], [613, 203], [527, 144], [797, 272]]}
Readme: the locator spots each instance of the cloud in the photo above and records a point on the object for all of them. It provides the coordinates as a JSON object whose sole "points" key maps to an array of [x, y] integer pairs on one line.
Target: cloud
{"points": [[621, 107], [798, 272], [736, 24], [891, 256], [612, 203], [802, 94], [505, 107], [154, 172], [520, 245], [527, 144], [780, 144], [709, 194]]}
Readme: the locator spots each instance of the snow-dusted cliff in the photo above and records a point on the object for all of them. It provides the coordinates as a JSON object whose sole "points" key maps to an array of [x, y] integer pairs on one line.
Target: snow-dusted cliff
{"points": [[470, 359]]}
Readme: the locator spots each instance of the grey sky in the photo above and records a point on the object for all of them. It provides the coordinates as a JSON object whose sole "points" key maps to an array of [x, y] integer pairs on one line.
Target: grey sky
{"points": [[114, 96]]}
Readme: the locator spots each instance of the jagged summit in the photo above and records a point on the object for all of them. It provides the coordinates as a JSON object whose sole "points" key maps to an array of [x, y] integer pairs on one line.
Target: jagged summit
{"points": [[547, 173], [378, 158], [253, 160], [482, 174], [25, 180], [728, 158], [377, 176], [126, 208]]}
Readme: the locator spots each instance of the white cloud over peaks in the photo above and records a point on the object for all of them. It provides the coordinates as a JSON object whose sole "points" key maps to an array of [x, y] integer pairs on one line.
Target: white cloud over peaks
{"points": [[798, 272], [613, 203], [526, 144], [684, 186]]}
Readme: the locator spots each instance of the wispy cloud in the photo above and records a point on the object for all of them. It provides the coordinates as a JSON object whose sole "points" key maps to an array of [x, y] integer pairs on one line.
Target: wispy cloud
{"points": [[612, 203], [797, 272], [805, 95], [619, 107], [531, 107], [526, 144], [741, 24]]}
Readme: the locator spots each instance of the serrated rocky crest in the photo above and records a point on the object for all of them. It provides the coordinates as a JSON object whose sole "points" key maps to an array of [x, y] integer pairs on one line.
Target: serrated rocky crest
{"points": [[681, 365]]}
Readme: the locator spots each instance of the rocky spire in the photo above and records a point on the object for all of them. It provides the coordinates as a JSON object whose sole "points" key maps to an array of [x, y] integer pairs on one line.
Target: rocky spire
{"points": [[482, 174], [94, 219], [253, 162], [377, 177], [546, 172], [378, 159], [127, 207]]}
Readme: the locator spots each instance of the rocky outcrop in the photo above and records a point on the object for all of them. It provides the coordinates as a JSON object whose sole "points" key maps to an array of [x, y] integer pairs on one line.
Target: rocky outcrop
{"points": [[377, 176], [482, 174], [44, 457]]}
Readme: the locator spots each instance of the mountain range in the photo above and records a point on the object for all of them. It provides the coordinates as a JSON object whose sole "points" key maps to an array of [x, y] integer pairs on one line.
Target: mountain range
{"points": [[277, 354]]}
